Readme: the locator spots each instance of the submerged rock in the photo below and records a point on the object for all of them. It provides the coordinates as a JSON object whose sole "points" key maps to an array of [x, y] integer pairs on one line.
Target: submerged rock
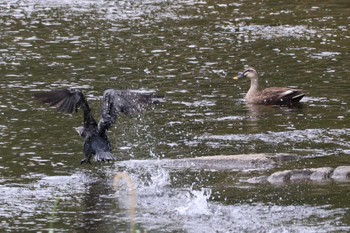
{"points": [[230, 162], [341, 173], [244, 162], [300, 174], [289, 175], [283, 158], [256, 180], [218, 162], [321, 173], [279, 177]]}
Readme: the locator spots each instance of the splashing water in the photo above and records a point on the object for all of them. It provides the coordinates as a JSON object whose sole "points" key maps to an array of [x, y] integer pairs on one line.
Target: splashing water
{"points": [[159, 203], [197, 203]]}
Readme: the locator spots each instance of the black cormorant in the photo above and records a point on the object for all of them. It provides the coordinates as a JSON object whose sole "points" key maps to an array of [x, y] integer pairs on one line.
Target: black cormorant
{"points": [[114, 102]]}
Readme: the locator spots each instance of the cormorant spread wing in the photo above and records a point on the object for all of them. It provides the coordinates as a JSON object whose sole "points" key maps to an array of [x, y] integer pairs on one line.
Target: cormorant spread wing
{"points": [[68, 101], [114, 103]]}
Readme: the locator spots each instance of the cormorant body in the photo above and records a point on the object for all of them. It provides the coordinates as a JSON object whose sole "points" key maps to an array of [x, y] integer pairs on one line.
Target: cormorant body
{"points": [[114, 103]]}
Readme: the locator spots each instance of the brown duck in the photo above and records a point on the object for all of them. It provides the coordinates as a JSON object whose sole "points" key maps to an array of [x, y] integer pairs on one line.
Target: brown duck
{"points": [[268, 96]]}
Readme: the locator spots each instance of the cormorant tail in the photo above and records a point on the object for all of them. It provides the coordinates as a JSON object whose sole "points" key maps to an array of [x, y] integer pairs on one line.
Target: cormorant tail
{"points": [[103, 156]]}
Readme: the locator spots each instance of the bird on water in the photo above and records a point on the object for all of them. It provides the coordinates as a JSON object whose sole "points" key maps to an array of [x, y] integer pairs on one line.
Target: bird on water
{"points": [[114, 103], [268, 96]]}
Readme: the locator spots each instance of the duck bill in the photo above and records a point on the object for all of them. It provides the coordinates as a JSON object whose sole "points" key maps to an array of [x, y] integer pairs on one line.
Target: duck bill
{"points": [[238, 77]]}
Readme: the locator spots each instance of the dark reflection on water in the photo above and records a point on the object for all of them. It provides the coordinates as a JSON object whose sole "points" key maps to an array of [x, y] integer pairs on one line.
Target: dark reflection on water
{"points": [[186, 50]]}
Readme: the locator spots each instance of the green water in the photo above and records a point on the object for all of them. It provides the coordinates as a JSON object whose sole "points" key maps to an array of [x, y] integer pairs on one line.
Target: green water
{"points": [[187, 51]]}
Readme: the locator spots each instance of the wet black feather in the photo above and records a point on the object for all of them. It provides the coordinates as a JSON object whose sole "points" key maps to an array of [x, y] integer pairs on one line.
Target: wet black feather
{"points": [[114, 103]]}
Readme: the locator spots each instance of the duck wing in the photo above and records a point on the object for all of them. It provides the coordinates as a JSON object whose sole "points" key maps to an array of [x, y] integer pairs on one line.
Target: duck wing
{"points": [[68, 101], [281, 96]]}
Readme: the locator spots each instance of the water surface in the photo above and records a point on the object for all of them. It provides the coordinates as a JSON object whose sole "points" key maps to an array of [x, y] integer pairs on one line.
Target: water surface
{"points": [[187, 51]]}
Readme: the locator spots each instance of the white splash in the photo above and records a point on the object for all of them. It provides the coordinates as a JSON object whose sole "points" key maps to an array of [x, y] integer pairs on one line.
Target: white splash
{"points": [[197, 203]]}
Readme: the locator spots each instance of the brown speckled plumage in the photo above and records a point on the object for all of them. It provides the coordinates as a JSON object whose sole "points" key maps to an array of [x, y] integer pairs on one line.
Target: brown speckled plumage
{"points": [[268, 96]]}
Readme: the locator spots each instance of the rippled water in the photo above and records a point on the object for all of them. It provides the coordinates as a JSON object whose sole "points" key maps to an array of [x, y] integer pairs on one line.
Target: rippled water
{"points": [[187, 51]]}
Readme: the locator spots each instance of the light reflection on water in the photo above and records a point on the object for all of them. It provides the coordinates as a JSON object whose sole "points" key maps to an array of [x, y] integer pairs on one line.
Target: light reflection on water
{"points": [[186, 50]]}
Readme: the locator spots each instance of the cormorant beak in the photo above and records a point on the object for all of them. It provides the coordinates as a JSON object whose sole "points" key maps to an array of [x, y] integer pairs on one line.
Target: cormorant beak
{"points": [[240, 75]]}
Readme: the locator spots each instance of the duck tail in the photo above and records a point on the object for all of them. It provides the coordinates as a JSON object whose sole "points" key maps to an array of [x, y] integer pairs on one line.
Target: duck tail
{"points": [[297, 97]]}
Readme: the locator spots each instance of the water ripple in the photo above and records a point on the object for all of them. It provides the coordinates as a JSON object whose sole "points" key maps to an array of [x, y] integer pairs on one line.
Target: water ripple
{"points": [[319, 136]]}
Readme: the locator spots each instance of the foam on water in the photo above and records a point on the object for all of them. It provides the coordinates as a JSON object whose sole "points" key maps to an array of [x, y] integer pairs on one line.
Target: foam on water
{"points": [[19, 199]]}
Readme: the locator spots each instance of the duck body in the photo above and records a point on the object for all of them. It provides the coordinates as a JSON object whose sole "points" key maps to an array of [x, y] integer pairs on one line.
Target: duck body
{"points": [[269, 96], [275, 96]]}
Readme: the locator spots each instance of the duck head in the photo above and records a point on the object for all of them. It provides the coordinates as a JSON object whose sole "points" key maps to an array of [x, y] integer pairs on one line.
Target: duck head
{"points": [[247, 73]]}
